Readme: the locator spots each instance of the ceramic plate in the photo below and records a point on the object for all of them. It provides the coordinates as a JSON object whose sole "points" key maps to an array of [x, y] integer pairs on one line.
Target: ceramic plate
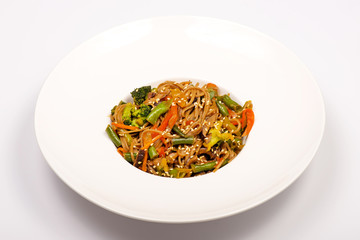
{"points": [[75, 101]]}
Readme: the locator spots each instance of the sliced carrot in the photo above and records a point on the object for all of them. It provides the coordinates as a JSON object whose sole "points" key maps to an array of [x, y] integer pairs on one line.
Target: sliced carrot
{"points": [[121, 151], [165, 122], [148, 144], [174, 116], [154, 134], [120, 125], [144, 165], [171, 114]]}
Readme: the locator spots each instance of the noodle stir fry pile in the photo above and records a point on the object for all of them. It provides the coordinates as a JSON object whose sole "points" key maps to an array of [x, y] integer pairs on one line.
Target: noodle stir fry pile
{"points": [[180, 129]]}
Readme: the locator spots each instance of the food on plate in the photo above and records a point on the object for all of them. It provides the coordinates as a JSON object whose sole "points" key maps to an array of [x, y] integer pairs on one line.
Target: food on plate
{"points": [[180, 129]]}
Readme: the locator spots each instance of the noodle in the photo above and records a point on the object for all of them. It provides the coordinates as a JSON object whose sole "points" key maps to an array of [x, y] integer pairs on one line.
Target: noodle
{"points": [[196, 132]]}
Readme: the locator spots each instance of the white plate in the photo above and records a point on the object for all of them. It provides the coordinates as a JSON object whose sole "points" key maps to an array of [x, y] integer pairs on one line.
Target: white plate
{"points": [[74, 103]]}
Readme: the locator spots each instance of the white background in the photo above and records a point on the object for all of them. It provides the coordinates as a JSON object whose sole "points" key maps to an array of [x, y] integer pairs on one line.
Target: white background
{"points": [[324, 203]]}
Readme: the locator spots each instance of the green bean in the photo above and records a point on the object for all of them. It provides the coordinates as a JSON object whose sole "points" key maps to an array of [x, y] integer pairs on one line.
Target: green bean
{"points": [[152, 152], [157, 111], [113, 136], [188, 140], [128, 158], [231, 103], [173, 173], [177, 130], [222, 108], [212, 92], [196, 168]]}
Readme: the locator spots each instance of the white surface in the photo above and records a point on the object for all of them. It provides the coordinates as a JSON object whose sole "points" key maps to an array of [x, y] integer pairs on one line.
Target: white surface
{"points": [[322, 204], [103, 70]]}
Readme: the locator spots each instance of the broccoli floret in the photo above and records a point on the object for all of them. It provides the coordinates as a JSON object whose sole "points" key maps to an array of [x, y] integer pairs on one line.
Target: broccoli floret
{"points": [[139, 115], [138, 122], [127, 122], [142, 111], [126, 115], [139, 94]]}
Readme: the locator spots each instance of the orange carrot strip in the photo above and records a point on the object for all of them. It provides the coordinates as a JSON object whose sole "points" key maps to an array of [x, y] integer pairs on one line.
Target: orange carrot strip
{"points": [[121, 151], [154, 134], [170, 115], [148, 144], [144, 167], [174, 116], [120, 125]]}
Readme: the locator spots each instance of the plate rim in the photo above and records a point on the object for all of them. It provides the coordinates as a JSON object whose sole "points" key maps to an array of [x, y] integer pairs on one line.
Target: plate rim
{"points": [[272, 194]]}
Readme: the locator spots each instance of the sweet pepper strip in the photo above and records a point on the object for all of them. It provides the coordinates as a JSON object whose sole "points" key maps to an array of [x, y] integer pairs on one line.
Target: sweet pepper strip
{"points": [[248, 117]]}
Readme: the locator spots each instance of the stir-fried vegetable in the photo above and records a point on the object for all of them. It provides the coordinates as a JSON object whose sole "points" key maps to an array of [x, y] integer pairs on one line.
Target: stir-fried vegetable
{"points": [[152, 152], [142, 111], [222, 108], [126, 115], [139, 94], [178, 141], [135, 116], [128, 158], [196, 168], [157, 111], [179, 172], [231, 103], [170, 118], [216, 135], [180, 129], [113, 136], [212, 89], [248, 118]]}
